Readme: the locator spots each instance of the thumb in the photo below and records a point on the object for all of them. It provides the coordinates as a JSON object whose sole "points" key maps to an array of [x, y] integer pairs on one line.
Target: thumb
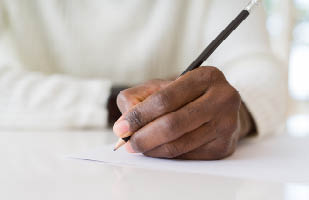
{"points": [[128, 98]]}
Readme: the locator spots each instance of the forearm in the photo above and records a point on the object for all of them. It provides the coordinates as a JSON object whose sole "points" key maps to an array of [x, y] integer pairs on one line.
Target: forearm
{"points": [[31, 100]]}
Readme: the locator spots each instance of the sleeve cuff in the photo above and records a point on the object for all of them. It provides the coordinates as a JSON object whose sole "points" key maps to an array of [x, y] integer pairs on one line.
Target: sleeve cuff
{"points": [[263, 88]]}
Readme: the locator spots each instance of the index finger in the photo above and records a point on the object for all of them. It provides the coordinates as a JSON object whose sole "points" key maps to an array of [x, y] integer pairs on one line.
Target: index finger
{"points": [[180, 92]]}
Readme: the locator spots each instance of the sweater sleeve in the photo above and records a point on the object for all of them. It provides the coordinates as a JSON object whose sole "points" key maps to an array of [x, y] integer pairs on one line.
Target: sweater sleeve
{"points": [[33, 100], [249, 65]]}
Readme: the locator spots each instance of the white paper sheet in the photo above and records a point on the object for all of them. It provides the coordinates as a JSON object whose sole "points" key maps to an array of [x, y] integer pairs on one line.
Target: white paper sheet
{"points": [[280, 158]]}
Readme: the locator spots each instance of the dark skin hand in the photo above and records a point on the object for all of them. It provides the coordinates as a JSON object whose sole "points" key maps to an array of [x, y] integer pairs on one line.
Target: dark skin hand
{"points": [[198, 116]]}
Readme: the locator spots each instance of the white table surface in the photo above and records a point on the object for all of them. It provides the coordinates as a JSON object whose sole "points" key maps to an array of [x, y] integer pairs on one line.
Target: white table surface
{"points": [[33, 167]]}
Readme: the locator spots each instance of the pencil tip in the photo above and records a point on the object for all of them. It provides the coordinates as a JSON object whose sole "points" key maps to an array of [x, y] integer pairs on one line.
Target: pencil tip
{"points": [[119, 144], [114, 149]]}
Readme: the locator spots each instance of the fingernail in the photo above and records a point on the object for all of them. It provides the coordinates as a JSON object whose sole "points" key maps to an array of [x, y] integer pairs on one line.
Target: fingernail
{"points": [[129, 147], [120, 118], [121, 128]]}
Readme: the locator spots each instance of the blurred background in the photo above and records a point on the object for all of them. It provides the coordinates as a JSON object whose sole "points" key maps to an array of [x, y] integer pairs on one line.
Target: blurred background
{"points": [[288, 26]]}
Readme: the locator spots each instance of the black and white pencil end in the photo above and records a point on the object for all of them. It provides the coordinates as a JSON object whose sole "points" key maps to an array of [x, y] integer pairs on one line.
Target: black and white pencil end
{"points": [[252, 5]]}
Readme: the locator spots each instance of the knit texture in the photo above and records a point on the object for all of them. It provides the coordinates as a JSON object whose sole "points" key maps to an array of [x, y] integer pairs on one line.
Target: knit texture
{"points": [[59, 59]]}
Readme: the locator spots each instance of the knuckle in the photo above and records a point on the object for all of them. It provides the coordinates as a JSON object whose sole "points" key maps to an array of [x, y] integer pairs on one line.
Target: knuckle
{"points": [[122, 101], [171, 150], [134, 118], [137, 144], [218, 155], [123, 95], [223, 150], [161, 101], [171, 124], [214, 72], [230, 98], [227, 127], [219, 149], [210, 74], [204, 75], [234, 96]]}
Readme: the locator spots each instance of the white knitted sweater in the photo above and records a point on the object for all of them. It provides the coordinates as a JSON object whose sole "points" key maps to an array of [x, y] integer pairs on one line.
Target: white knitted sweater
{"points": [[58, 59]]}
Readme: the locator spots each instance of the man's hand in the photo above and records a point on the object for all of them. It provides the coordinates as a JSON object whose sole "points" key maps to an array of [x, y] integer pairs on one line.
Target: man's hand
{"points": [[197, 116]]}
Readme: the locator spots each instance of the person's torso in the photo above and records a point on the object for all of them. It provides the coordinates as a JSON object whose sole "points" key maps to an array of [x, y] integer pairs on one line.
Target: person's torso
{"points": [[125, 41]]}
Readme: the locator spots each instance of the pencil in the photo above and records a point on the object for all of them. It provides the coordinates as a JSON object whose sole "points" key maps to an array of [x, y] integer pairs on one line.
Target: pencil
{"points": [[211, 48]]}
